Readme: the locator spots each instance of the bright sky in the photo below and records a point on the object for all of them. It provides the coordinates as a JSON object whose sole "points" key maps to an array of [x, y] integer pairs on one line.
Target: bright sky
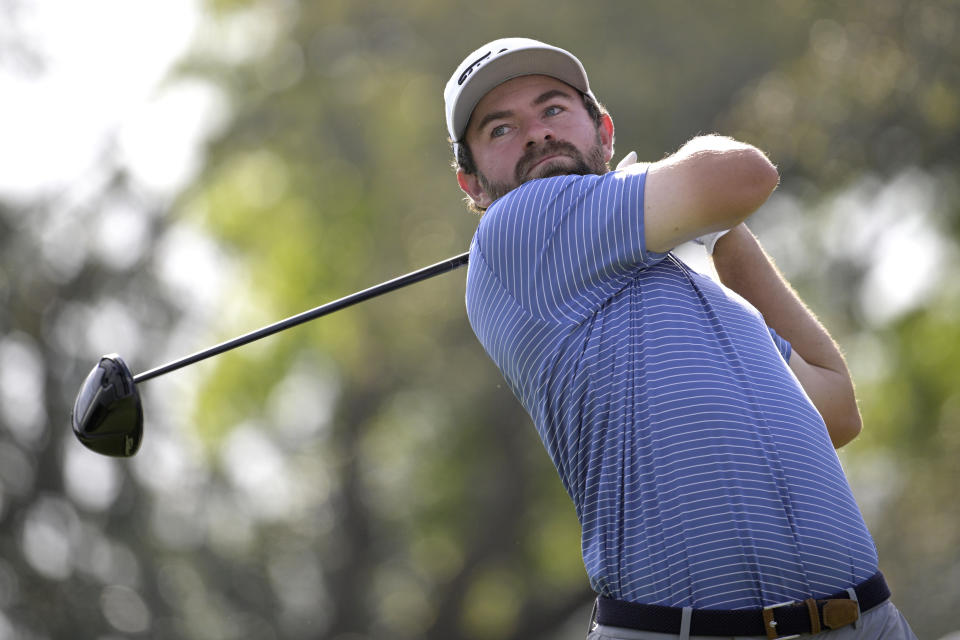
{"points": [[100, 98], [102, 65]]}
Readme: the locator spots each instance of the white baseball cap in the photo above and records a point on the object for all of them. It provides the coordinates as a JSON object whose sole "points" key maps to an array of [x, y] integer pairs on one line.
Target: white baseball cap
{"points": [[496, 62]]}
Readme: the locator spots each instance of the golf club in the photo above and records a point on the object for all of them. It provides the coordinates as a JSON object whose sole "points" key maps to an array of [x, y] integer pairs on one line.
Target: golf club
{"points": [[107, 416]]}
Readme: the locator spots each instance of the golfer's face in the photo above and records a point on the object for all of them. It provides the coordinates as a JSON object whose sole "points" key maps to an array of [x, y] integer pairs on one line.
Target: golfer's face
{"points": [[533, 127]]}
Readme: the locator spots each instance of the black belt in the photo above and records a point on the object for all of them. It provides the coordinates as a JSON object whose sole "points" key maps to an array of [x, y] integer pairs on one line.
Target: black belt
{"points": [[775, 621]]}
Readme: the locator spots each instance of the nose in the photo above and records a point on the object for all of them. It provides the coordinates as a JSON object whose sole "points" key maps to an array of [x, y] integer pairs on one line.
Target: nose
{"points": [[538, 133]]}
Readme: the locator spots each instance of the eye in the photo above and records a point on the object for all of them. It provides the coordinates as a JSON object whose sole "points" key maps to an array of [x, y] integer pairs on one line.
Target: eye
{"points": [[498, 131], [553, 110]]}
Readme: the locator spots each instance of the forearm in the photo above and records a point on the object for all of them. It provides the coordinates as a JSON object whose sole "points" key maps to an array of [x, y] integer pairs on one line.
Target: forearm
{"points": [[744, 267]]}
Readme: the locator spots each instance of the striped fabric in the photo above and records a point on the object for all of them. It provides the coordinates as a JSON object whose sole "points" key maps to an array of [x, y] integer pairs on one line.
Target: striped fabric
{"points": [[701, 473]]}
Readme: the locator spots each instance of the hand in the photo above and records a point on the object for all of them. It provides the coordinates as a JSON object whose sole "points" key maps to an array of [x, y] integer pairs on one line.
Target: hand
{"points": [[629, 159]]}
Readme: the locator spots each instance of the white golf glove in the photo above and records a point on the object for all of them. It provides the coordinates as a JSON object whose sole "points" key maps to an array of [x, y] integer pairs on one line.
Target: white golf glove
{"points": [[709, 240], [629, 159]]}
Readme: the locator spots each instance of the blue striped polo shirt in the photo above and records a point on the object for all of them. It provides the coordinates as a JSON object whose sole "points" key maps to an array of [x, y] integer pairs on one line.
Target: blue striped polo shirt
{"points": [[701, 473]]}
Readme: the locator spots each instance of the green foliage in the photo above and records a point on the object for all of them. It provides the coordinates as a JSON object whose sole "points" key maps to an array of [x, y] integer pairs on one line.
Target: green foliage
{"points": [[369, 474]]}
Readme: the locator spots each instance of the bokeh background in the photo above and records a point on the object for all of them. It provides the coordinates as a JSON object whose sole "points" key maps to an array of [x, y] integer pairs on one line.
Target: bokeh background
{"points": [[174, 173]]}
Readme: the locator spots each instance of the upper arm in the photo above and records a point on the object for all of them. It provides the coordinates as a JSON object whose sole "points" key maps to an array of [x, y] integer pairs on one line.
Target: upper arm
{"points": [[711, 184], [832, 394]]}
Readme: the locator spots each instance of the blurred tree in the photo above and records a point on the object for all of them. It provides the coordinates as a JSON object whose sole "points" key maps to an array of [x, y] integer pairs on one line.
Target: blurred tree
{"points": [[369, 475], [72, 550]]}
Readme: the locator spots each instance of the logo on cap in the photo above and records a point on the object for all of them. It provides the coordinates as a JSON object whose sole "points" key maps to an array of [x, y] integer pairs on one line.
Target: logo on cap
{"points": [[473, 65]]}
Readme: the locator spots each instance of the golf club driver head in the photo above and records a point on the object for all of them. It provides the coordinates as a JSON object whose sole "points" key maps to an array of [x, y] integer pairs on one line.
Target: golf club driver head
{"points": [[107, 415]]}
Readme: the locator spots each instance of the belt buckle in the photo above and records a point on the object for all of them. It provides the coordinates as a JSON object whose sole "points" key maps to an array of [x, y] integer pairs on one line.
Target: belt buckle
{"points": [[770, 625]]}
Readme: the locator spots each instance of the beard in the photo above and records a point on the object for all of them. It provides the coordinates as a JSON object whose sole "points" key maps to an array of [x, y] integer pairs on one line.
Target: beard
{"points": [[569, 161]]}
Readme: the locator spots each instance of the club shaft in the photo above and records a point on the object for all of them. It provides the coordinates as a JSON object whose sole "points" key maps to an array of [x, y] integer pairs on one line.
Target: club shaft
{"points": [[385, 287]]}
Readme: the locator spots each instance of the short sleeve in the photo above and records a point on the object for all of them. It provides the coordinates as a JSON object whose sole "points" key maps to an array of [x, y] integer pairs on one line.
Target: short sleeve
{"points": [[563, 246], [783, 346]]}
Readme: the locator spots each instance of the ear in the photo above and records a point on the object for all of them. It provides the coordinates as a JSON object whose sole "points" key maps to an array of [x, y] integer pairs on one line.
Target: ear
{"points": [[606, 136], [470, 185]]}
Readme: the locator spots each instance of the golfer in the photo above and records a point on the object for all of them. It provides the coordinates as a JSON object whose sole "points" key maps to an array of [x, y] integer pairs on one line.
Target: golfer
{"points": [[694, 425]]}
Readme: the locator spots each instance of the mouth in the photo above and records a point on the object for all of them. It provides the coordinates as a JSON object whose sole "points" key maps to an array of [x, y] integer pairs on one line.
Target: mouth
{"points": [[543, 161], [547, 158]]}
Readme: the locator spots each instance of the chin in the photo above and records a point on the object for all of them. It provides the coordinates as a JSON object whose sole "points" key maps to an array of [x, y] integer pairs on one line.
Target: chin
{"points": [[553, 168], [553, 171]]}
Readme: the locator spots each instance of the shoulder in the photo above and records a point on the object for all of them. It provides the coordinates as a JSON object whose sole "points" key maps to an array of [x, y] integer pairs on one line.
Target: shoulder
{"points": [[571, 191]]}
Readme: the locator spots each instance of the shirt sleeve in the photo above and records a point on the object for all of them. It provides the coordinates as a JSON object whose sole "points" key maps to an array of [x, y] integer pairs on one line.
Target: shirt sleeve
{"points": [[562, 246], [783, 345]]}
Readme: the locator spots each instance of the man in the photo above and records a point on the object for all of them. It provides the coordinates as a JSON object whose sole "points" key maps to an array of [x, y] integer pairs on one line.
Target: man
{"points": [[692, 424]]}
